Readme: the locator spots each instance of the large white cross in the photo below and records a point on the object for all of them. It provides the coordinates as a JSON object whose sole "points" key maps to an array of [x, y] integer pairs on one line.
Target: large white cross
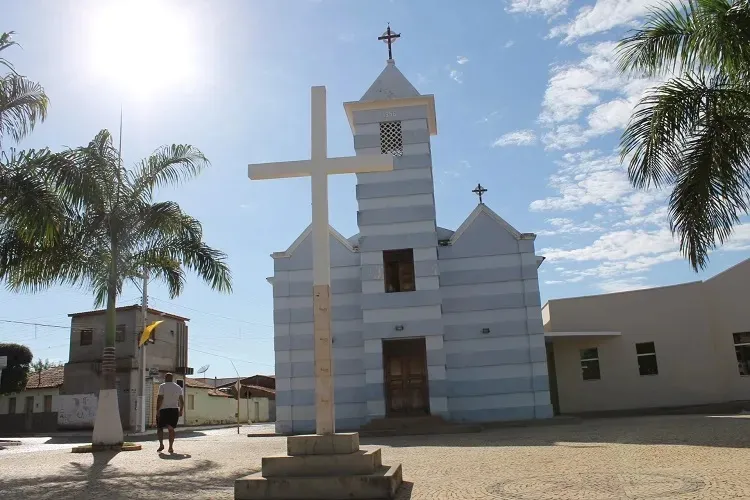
{"points": [[318, 168]]}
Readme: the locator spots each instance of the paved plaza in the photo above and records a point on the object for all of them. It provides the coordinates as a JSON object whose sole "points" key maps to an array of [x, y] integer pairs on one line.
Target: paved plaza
{"points": [[668, 457]]}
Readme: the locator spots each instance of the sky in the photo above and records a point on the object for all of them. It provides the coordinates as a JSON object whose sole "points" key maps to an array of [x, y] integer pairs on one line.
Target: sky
{"points": [[529, 103]]}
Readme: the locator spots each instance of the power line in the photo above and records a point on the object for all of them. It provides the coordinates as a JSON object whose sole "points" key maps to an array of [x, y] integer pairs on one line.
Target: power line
{"points": [[210, 313], [32, 324]]}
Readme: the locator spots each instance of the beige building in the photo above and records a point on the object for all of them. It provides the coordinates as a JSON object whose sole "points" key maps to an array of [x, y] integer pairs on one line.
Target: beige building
{"points": [[168, 353], [671, 346]]}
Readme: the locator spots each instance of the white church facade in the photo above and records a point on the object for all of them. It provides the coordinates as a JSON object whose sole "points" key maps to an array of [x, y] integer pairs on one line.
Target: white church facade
{"points": [[425, 320]]}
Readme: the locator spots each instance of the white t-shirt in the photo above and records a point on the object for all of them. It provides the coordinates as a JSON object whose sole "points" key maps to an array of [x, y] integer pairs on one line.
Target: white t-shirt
{"points": [[171, 393]]}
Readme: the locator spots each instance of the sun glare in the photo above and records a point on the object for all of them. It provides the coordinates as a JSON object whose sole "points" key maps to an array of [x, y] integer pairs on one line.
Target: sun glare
{"points": [[142, 46]]}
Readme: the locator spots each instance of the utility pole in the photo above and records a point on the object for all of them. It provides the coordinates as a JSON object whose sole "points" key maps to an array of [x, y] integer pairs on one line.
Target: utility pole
{"points": [[142, 364]]}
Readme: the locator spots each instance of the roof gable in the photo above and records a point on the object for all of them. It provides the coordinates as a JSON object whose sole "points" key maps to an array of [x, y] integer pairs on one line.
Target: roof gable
{"points": [[483, 210], [305, 234], [390, 84]]}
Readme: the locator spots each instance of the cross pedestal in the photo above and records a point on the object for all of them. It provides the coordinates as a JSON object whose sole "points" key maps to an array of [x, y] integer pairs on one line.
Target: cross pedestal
{"points": [[322, 465]]}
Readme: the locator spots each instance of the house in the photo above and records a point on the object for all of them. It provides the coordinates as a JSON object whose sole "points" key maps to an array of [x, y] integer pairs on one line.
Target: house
{"points": [[671, 346], [35, 408], [167, 353], [206, 405], [266, 410], [425, 320]]}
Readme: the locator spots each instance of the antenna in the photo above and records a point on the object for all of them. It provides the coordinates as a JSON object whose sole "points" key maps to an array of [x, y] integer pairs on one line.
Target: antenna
{"points": [[203, 369]]}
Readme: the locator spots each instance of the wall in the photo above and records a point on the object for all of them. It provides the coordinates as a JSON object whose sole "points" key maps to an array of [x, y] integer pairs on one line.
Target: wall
{"points": [[293, 337], [397, 211], [488, 278], [209, 410], [675, 318], [76, 411], [38, 395], [727, 294]]}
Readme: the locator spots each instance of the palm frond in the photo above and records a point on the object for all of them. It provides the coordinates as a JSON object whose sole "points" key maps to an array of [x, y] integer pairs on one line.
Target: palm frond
{"points": [[698, 36], [713, 188], [662, 120], [28, 201], [23, 103], [195, 255], [168, 165], [6, 41]]}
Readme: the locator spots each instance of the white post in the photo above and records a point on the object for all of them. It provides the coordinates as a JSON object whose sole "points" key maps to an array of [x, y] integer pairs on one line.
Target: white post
{"points": [[142, 363]]}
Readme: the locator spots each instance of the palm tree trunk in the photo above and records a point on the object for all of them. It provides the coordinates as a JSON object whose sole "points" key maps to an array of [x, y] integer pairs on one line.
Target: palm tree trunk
{"points": [[108, 424]]}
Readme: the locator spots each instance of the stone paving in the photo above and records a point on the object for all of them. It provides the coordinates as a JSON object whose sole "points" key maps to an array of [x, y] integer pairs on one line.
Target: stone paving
{"points": [[675, 457]]}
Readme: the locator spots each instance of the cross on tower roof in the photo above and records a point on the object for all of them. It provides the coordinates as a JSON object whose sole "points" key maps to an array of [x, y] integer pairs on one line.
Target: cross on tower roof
{"points": [[479, 191], [389, 37]]}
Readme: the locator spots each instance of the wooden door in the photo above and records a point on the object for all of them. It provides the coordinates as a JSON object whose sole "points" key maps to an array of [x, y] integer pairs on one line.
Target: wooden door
{"points": [[405, 373]]}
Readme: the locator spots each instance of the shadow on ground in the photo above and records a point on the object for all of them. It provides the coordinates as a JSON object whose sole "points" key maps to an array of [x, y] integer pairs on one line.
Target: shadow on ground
{"points": [[195, 479], [725, 431], [130, 439]]}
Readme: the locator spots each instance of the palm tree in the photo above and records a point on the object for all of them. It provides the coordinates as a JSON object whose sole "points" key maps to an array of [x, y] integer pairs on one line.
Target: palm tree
{"points": [[113, 232], [692, 132], [26, 198]]}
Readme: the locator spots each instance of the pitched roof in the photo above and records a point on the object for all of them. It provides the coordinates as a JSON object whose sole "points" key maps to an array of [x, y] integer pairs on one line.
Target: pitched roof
{"points": [[484, 209], [47, 379], [198, 384], [303, 236], [390, 84], [128, 308]]}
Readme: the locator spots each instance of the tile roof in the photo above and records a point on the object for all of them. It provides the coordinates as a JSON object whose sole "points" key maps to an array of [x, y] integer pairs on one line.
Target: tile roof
{"points": [[198, 384], [47, 379]]}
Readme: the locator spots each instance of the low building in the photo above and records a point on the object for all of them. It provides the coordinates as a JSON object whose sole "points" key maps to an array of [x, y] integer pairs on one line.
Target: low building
{"points": [[672, 346], [206, 405], [168, 353], [35, 408]]}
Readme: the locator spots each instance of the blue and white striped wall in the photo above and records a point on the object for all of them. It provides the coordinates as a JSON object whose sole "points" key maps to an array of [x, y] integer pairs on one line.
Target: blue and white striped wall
{"points": [[397, 211]]}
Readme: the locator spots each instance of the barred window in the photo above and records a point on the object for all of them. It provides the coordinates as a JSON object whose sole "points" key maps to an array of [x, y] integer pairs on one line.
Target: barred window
{"points": [[390, 138]]}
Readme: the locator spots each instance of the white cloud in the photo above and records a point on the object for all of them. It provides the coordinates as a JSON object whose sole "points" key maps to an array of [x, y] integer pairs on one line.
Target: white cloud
{"points": [[567, 136], [462, 59], [550, 8], [623, 285], [561, 225], [602, 16], [553, 282], [509, 44], [456, 76], [593, 83], [517, 138]]}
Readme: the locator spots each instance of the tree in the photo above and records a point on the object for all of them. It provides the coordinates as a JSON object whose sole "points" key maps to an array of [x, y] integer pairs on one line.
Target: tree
{"points": [[15, 374], [111, 235], [40, 365], [29, 203], [692, 132]]}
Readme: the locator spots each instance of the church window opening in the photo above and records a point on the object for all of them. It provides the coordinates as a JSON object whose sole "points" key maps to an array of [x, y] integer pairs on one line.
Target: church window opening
{"points": [[742, 350], [390, 138], [399, 270]]}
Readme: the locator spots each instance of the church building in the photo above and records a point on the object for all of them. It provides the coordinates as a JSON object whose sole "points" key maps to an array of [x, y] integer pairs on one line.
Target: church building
{"points": [[425, 320]]}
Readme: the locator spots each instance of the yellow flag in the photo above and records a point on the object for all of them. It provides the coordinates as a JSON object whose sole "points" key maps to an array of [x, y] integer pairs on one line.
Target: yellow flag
{"points": [[148, 331]]}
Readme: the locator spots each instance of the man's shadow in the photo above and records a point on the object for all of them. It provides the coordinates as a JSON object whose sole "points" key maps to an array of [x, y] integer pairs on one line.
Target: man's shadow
{"points": [[174, 456]]}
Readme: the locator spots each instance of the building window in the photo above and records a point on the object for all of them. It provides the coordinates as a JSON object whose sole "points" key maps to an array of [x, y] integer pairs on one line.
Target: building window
{"points": [[646, 353], [120, 333], [47, 404], [742, 349], [590, 364], [191, 402], [399, 270], [87, 337], [390, 138], [11, 405]]}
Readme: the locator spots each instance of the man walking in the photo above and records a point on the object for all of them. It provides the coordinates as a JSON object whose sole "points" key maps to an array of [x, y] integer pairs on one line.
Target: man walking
{"points": [[169, 407]]}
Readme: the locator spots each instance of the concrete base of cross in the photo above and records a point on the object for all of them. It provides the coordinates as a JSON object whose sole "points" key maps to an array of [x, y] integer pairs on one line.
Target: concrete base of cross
{"points": [[321, 466]]}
